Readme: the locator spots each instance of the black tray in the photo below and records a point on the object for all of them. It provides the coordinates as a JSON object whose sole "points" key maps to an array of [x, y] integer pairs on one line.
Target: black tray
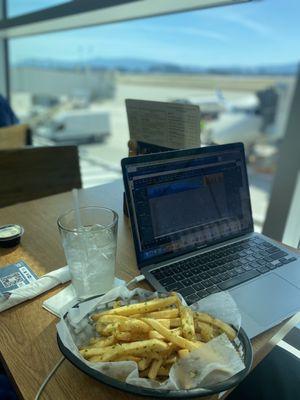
{"points": [[160, 393]]}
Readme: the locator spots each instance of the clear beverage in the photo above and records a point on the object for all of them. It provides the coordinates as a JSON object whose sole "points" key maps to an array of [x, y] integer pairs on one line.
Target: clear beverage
{"points": [[90, 250]]}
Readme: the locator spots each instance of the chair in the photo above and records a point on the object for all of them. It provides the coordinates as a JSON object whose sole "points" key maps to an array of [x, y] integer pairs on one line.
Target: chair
{"points": [[34, 172], [15, 136]]}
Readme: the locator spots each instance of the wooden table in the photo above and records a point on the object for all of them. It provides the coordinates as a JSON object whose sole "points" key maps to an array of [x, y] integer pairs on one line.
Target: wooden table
{"points": [[28, 333]]}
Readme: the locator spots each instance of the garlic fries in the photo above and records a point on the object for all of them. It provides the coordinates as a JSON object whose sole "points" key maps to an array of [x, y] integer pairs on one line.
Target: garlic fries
{"points": [[154, 334]]}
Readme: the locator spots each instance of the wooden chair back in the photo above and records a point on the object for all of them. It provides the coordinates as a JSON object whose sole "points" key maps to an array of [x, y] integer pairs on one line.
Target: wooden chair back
{"points": [[15, 136], [34, 172]]}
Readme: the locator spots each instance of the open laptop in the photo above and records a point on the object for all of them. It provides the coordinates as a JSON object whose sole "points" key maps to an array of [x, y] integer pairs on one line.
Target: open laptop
{"points": [[192, 227]]}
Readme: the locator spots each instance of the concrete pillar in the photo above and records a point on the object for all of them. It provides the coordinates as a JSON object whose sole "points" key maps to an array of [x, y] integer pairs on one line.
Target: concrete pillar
{"points": [[285, 197]]}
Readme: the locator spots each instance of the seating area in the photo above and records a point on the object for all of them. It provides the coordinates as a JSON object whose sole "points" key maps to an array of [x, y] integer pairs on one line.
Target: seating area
{"points": [[29, 173], [15, 136], [149, 200]]}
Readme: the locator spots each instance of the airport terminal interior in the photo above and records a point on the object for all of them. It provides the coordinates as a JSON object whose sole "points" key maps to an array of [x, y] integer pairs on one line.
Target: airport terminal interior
{"points": [[66, 70]]}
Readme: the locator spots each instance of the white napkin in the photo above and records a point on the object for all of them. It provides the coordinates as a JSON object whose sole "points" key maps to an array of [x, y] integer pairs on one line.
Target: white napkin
{"points": [[66, 298], [41, 285], [61, 301]]}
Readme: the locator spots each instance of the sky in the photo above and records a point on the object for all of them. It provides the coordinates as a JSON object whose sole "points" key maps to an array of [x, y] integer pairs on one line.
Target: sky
{"points": [[258, 33]]}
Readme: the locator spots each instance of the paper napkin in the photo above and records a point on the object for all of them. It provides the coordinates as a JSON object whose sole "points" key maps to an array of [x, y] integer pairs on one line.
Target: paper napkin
{"points": [[41, 285], [66, 298]]}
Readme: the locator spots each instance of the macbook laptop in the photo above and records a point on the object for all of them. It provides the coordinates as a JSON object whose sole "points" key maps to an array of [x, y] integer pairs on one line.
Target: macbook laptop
{"points": [[193, 233]]}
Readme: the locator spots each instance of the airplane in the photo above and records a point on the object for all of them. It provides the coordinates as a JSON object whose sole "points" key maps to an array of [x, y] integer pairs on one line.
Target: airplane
{"points": [[239, 122], [257, 117]]}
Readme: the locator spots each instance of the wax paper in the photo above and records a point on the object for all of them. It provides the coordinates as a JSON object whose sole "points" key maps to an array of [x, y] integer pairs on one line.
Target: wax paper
{"points": [[214, 362]]}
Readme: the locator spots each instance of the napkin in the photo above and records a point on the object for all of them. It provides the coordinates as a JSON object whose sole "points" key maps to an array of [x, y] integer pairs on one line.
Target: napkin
{"points": [[66, 298], [41, 285]]}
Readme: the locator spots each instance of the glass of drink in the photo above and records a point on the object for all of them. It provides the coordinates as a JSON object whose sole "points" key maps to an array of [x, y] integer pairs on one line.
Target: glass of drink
{"points": [[89, 238]]}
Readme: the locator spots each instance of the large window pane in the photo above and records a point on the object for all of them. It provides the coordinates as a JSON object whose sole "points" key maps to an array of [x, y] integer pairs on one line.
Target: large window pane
{"points": [[238, 63], [17, 7]]}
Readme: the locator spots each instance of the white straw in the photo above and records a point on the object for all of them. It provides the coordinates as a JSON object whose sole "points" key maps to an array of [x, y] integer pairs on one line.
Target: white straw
{"points": [[81, 236], [76, 207]]}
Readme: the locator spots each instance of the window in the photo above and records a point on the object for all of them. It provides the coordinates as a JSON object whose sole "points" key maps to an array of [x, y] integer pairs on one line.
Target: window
{"points": [[17, 7], [238, 63]]}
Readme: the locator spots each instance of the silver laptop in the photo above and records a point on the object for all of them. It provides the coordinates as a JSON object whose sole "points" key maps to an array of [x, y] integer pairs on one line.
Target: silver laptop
{"points": [[192, 227]]}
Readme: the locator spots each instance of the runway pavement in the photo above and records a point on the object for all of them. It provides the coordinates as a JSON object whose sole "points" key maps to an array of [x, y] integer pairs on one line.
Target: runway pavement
{"points": [[100, 162]]}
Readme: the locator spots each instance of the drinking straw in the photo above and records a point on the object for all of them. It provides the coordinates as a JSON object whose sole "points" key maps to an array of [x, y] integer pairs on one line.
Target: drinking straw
{"points": [[76, 207], [81, 236]]}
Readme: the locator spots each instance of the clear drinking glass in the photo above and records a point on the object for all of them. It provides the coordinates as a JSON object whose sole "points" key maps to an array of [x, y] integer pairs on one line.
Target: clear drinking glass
{"points": [[90, 250]]}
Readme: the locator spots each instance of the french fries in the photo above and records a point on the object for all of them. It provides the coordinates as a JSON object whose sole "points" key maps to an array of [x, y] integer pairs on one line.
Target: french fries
{"points": [[137, 308], [140, 348], [153, 370], [128, 358], [175, 322], [106, 330], [205, 331], [183, 353], [203, 317], [187, 322], [169, 313], [108, 341], [154, 334], [144, 363], [172, 337], [130, 337], [164, 371]]}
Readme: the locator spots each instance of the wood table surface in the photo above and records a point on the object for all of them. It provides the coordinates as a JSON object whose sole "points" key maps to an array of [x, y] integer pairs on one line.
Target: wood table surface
{"points": [[28, 344]]}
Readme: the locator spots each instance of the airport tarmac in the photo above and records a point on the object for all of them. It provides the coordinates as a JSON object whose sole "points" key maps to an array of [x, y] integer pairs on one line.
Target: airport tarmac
{"points": [[115, 147], [100, 162]]}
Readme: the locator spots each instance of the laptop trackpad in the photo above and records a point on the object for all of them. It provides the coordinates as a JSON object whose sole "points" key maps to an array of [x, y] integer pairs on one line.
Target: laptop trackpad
{"points": [[268, 299], [290, 272]]}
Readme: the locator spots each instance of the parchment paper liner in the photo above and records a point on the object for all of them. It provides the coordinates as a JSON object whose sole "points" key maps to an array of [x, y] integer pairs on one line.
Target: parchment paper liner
{"points": [[216, 361]]}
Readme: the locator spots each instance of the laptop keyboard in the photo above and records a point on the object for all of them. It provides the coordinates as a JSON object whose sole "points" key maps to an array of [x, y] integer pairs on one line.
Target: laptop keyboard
{"points": [[221, 269]]}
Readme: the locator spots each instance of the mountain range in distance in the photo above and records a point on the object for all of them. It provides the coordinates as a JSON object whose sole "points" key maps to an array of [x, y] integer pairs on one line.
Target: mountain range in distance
{"points": [[149, 66]]}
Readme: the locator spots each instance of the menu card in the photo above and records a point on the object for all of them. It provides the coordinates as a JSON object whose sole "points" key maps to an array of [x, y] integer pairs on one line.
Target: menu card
{"points": [[158, 126], [15, 275]]}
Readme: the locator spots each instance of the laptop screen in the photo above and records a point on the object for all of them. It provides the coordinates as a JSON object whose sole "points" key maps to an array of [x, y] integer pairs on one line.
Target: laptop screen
{"points": [[184, 200]]}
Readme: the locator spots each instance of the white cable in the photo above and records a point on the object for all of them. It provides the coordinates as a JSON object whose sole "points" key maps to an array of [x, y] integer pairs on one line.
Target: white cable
{"points": [[137, 279], [48, 378]]}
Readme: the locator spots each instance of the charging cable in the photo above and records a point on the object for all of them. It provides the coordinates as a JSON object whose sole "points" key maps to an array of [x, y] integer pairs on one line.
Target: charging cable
{"points": [[135, 280], [48, 378]]}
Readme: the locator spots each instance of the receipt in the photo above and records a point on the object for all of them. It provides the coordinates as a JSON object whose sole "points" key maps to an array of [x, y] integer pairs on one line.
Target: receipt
{"points": [[170, 125]]}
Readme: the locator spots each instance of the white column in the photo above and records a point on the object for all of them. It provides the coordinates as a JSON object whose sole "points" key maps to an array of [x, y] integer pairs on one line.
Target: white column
{"points": [[285, 196], [291, 234]]}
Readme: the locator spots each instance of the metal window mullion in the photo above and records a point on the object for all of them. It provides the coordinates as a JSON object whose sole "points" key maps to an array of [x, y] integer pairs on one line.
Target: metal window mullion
{"points": [[82, 13], [4, 68]]}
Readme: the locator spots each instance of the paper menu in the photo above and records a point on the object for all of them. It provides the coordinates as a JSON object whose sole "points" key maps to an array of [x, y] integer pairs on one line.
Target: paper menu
{"points": [[16, 275], [170, 125]]}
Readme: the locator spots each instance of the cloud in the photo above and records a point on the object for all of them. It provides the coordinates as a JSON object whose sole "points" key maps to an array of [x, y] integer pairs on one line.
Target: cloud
{"points": [[205, 33], [246, 22]]}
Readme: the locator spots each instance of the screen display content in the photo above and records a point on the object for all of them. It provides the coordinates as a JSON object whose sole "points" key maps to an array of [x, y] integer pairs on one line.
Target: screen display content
{"points": [[185, 203]]}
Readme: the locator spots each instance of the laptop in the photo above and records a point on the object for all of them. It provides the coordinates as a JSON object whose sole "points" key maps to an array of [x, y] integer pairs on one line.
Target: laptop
{"points": [[192, 227]]}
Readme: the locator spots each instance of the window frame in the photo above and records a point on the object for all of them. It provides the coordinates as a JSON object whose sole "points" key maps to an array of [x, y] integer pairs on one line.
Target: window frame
{"points": [[82, 13], [4, 67]]}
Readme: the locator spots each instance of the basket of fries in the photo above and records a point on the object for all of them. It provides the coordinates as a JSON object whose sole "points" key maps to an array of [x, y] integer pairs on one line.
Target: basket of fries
{"points": [[152, 344]]}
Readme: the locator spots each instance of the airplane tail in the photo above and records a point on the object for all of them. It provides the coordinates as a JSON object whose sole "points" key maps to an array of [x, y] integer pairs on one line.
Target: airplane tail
{"points": [[221, 98]]}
